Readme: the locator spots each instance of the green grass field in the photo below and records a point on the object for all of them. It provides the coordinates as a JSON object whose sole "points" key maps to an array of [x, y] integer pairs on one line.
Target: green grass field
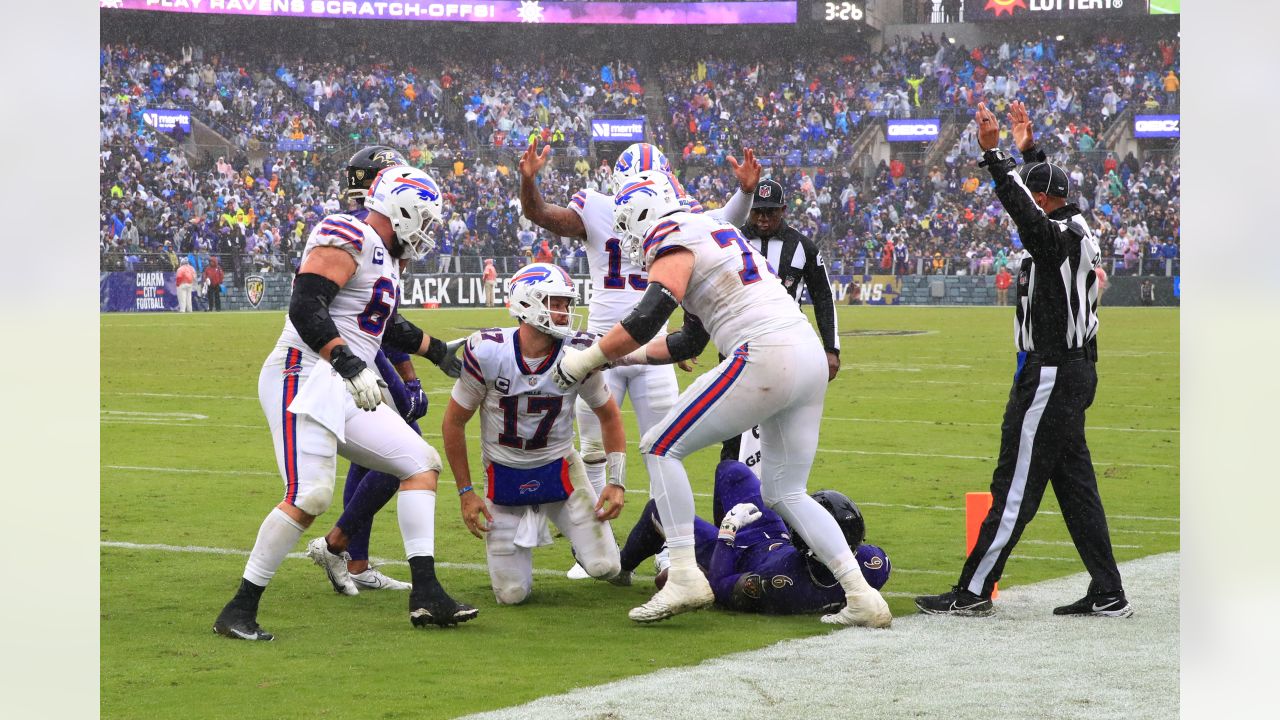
{"points": [[911, 425]]}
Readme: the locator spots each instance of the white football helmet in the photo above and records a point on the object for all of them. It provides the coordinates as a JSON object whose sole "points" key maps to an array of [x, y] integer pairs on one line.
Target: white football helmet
{"points": [[638, 206], [637, 158], [414, 204], [531, 288]]}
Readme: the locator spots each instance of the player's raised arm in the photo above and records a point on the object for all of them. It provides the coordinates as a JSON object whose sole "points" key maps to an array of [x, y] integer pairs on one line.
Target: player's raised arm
{"points": [[738, 209], [560, 220]]}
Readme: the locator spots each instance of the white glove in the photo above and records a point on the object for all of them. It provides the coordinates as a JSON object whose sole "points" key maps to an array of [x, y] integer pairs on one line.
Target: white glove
{"points": [[740, 516], [366, 388], [575, 365]]}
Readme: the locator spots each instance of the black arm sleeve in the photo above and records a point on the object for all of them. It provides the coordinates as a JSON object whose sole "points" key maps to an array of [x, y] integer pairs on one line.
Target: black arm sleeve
{"points": [[1037, 232], [689, 340], [648, 316], [309, 309], [824, 306], [402, 335]]}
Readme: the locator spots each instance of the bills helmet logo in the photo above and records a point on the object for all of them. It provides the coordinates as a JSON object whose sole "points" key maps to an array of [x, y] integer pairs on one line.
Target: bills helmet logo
{"points": [[426, 190], [254, 287]]}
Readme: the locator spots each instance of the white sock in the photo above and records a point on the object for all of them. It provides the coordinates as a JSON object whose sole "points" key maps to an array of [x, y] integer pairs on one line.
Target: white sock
{"points": [[684, 565], [416, 510], [846, 570], [669, 484], [276, 537], [595, 475]]}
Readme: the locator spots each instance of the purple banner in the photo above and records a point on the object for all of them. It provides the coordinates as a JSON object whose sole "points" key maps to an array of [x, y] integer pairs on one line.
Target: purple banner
{"points": [[1157, 126], [913, 130], [165, 120], [138, 291], [522, 11], [614, 130]]}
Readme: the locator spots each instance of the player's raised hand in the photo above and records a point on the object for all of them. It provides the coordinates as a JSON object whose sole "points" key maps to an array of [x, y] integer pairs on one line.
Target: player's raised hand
{"points": [[532, 161], [988, 127], [1020, 124], [748, 172], [475, 514]]}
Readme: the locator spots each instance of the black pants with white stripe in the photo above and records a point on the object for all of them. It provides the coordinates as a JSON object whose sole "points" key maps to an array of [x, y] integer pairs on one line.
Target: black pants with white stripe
{"points": [[1042, 441]]}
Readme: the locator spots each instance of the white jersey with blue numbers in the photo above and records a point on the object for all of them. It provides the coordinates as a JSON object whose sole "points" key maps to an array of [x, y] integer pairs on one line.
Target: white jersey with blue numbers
{"points": [[526, 420], [365, 304], [616, 284], [731, 289]]}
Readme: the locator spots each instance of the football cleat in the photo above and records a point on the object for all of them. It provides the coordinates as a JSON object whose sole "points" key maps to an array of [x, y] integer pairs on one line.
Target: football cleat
{"points": [[239, 625], [1116, 605], [373, 579], [335, 566], [866, 609], [958, 602], [439, 610], [577, 572], [622, 579], [673, 599]]}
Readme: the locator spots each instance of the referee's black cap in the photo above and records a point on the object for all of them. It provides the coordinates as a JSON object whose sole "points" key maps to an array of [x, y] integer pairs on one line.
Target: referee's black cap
{"points": [[1044, 177], [768, 195]]}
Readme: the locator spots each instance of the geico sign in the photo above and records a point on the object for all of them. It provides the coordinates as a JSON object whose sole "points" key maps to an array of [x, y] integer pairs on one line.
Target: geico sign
{"points": [[925, 129], [1150, 126]]}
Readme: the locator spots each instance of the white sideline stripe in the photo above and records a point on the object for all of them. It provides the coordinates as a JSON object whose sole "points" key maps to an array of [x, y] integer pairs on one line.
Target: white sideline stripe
{"points": [[910, 670], [295, 556], [636, 491], [984, 458], [945, 423]]}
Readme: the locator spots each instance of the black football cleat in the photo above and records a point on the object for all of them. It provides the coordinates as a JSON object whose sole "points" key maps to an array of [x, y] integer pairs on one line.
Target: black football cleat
{"points": [[958, 601], [439, 610], [1114, 605], [239, 625]]}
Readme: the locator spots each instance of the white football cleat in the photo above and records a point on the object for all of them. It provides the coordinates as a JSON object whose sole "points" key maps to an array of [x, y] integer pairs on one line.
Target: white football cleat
{"points": [[675, 598], [335, 566], [866, 608], [577, 572], [373, 579]]}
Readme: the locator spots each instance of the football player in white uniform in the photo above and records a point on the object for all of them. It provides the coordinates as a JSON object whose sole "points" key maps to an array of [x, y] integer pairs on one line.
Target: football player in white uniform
{"points": [[617, 283], [526, 432], [774, 376], [322, 397]]}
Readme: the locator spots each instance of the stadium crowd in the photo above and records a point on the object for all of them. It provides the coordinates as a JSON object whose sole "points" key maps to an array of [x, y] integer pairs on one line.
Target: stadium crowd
{"points": [[292, 124]]}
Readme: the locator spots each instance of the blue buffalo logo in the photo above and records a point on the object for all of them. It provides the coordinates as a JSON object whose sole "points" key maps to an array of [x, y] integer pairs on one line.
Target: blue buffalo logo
{"points": [[530, 486], [425, 190]]}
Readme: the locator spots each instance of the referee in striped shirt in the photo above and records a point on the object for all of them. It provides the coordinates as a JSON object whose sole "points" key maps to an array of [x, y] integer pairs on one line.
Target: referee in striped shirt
{"points": [[1042, 438]]}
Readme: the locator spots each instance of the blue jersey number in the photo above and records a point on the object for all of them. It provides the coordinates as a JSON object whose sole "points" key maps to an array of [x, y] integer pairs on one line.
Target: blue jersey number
{"points": [[535, 404], [749, 272], [380, 308], [614, 280]]}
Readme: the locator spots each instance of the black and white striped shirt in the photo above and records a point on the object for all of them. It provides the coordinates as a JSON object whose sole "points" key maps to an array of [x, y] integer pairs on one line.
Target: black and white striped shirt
{"points": [[1057, 308], [798, 263]]}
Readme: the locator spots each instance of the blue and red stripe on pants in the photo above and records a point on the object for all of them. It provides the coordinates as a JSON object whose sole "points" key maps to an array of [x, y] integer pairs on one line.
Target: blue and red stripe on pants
{"points": [[701, 404], [292, 371]]}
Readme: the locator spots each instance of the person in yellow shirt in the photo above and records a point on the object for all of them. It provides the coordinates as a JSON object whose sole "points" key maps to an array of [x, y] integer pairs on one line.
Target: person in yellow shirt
{"points": [[458, 167], [1171, 86], [970, 184]]}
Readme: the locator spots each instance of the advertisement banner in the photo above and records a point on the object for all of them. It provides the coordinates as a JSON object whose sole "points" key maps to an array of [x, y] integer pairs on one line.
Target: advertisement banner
{"points": [[137, 292], [520, 11], [1157, 126], [467, 291], [1101, 10], [617, 130], [863, 289], [165, 120], [913, 130]]}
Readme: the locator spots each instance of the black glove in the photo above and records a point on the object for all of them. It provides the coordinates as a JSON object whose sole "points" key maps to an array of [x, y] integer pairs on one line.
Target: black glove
{"points": [[445, 356]]}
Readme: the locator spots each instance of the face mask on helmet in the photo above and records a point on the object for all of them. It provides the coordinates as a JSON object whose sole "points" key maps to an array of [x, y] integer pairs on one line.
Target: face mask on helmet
{"points": [[364, 166], [640, 205], [847, 515], [532, 290], [412, 201]]}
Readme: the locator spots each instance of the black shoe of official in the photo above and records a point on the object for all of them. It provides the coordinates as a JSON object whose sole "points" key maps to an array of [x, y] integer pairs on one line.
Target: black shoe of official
{"points": [[437, 608], [239, 624], [956, 602], [1113, 605]]}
